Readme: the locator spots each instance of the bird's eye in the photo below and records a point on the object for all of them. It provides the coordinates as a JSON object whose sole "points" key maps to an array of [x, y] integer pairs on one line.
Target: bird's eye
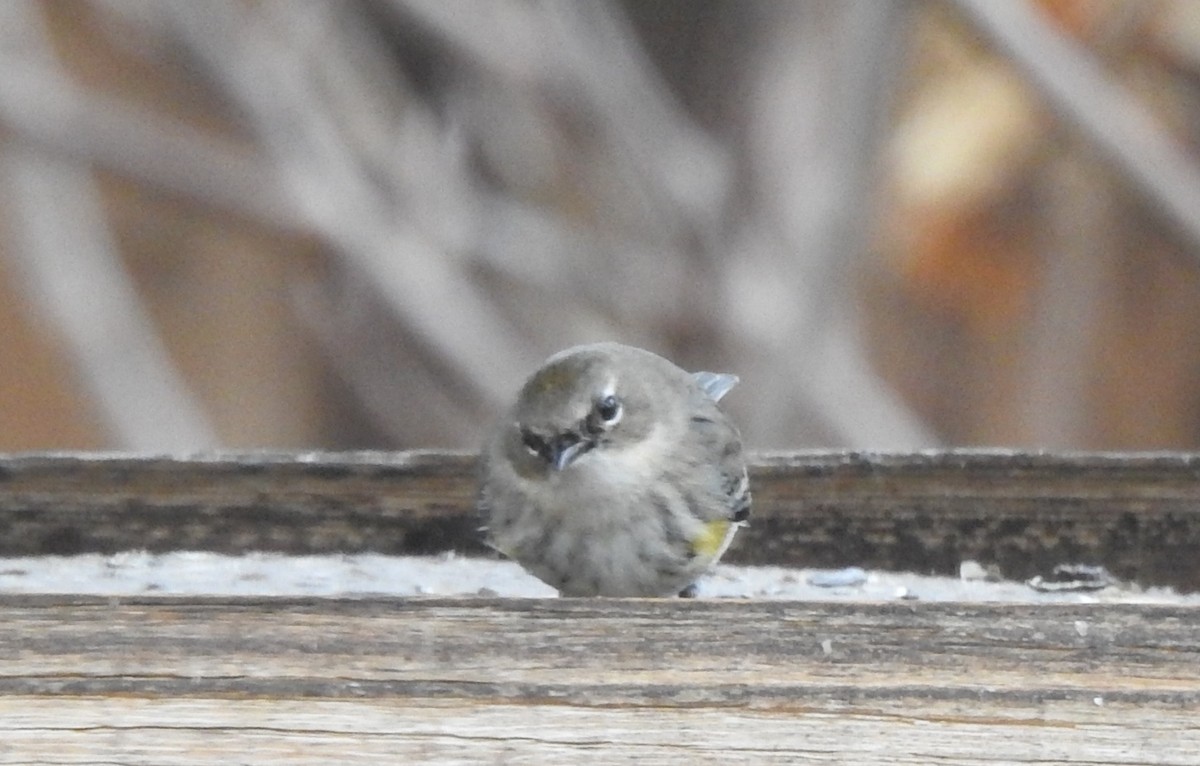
{"points": [[609, 409], [534, 443]]}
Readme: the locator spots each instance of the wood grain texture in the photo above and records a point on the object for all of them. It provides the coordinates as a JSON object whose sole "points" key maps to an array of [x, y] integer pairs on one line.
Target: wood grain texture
{"points": [[411, 502], [1139, 515], [169, 681]]}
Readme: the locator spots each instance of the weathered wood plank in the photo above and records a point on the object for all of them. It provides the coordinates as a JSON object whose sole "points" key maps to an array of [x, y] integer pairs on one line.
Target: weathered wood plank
{"points": [[87, 680], [41, 730], [1139, 515], [413, 502]]}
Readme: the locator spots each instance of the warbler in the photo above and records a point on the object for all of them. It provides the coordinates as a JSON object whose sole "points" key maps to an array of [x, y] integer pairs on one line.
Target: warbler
{"points": [[615, 473]]}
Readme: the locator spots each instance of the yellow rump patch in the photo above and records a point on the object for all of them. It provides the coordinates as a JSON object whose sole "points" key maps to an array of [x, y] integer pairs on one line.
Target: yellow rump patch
{"points": [[710, 541]]}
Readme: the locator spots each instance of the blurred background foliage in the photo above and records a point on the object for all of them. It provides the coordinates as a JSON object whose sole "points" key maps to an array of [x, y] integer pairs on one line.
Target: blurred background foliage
{"points": [[360, 223]]}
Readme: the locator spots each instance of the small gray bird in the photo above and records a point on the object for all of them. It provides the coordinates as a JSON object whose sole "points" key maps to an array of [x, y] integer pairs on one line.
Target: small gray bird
{"points": [[615, 473]]}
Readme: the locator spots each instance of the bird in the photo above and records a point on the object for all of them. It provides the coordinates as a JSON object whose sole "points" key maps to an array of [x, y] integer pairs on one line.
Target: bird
{"points": [[615, 473]]}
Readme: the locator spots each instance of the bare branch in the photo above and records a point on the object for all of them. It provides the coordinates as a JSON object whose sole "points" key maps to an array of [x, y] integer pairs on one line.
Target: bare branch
{"points": [[68, 257], [427, 289], [45, 110], [1077, 88]]}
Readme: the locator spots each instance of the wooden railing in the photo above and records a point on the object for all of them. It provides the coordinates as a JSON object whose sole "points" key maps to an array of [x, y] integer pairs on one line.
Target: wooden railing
{"points": [[88, 679]]}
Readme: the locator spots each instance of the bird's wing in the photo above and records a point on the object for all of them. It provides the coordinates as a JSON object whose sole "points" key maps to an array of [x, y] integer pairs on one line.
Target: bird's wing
{"points": [[717, 437]]}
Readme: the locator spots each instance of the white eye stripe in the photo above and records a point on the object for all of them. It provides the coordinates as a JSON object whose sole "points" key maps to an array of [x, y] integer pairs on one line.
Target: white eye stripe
{"points": [[610, 389]]}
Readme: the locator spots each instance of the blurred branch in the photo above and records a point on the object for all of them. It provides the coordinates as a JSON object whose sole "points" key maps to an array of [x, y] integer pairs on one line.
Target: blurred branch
{"points": [[640, 188], [356, 332], [45, 110], [1077, 87], [1079, 281], [71, 262], [272, 80], [586, 54], [823, 97], [849, 393]]}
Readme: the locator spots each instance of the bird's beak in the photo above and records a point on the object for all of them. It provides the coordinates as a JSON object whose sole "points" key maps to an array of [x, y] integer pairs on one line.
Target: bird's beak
{"points": [[566, 448]]}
